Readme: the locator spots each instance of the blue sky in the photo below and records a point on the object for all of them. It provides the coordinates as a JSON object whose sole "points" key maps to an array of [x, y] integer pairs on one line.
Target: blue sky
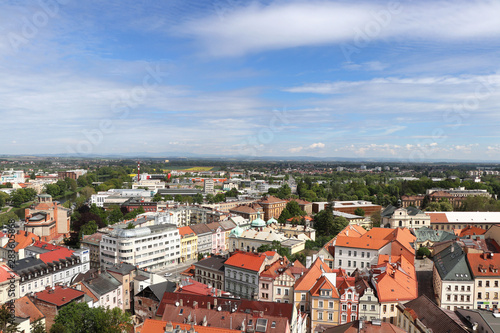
{"points": [[412, 80]]}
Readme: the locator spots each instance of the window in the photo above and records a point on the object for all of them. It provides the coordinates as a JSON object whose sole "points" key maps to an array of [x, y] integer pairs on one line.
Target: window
{"points": [[320, 316], [456, 288], [353, 317], [330, 304], [344, 317], [468, 288], [363, 307], [487, 295], [372, 307], [350, 253], [496, 284], [495, 295], [344, 307], [487, 283], [349, 296], [278, 291], [320, 304], [340, 263], [330, 317], [355, 253], [362, 254], [479, 283], [354, 307], [479, 296], [286, 292], [349, 263], [448, 297], [354, 263], [340, 252], [362, 264], [392, 307], [303, 298], [368, 254]]}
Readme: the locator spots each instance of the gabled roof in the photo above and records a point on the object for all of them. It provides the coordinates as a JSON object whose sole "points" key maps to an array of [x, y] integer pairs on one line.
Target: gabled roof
{"points": [[368, 327], [451, 264], [156, 291], [276, 269], [471, 230], [6, 273], [25, 308], [432, 316], [247, 260], [22, 239], [361, 242], [484, 264], [186, 232], [102, 284], [396, 282], [122, 268], [158, 326], [271, 200], [200, 229], [428, 234], [308, 280], [59, 296], [324, 283]]}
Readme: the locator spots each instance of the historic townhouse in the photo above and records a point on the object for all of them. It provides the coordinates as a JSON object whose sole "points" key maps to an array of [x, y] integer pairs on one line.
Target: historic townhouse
{"points": [[272, 206], [210, 271], [189, 244], [242, 272], [452, 279], [484, 268]]}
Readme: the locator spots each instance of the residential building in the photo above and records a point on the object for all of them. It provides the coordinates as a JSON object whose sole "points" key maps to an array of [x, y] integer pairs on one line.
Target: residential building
{"points": [[204, 237], [328, 250], [349, 299], [306, 206], [481, 320], [225, 313], [484, 268], [159, 326], [154, 247], [369, 307], [27, 313], [105, 290], [242, 270], [350, 206], [247, 211], [427, 237], [422, 315], [22, 239], [189, 244], [374, 326], [210, 271], [146, 301], [9, 284], [125, 274], [324, 302], [12, 176], [394, 280], [208, 186], [452, 279], [276, 282], [51, 300], [93, 243], [362, 252]]}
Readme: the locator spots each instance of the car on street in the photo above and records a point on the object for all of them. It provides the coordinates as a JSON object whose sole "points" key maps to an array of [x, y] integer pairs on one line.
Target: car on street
{"points": [[167, 274]]}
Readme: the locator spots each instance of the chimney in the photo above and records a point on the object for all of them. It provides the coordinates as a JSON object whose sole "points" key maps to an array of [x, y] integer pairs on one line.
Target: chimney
{"points": [[208, 305], [181, 302], [195, 305], [215, 302]]}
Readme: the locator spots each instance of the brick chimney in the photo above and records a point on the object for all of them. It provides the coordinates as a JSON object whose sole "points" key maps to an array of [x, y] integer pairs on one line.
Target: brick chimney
{"points": [[195, 305]]}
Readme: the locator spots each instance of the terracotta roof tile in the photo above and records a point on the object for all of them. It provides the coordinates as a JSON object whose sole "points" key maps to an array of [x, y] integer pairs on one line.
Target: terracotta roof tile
{"points": [[247, 260], [59, 296], [158, 326], [26, 309]]}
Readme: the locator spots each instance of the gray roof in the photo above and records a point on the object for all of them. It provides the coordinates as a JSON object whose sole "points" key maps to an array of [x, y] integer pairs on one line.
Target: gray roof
{"points": [[102, 284], [427, 234], [227, 225], [433, 317], [156, 291], [200, 229], [214, 263], [388, 211], [26, 263], [451, 264], [488, 317], [122, 268]]}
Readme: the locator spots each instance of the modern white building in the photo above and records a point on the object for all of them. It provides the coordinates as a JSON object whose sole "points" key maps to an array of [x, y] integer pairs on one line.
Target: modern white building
{"points": [[12, 176], [154, 247], [100, 198]]}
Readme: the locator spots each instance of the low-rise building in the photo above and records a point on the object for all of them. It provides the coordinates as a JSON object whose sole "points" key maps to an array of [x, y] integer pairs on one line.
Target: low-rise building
{"points": [[189, 244], [105, 290], [210, 271], [485, 271], [409, 217]]}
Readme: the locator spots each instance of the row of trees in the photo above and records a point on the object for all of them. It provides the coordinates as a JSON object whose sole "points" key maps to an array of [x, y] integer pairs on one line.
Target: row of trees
{"points": [[20, 196], [61, 187]]}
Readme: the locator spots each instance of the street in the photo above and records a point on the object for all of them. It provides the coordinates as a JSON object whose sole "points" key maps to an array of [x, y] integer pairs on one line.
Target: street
{"points": [[424, 277]]}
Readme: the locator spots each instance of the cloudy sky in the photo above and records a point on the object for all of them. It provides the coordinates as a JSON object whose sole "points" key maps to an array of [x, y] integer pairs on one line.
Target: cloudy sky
{"points": [[413, 80]]}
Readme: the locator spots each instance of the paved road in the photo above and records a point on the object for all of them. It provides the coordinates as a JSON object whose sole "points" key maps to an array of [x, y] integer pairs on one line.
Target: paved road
{"points": [[424, 277], [175, 270]]}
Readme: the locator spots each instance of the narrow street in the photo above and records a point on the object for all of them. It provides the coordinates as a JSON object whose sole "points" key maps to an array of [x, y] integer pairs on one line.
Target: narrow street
{"points": [[424, 277]]}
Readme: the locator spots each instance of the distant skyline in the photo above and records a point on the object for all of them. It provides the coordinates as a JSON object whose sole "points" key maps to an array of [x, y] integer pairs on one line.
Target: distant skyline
{"points": [[403, 80]]}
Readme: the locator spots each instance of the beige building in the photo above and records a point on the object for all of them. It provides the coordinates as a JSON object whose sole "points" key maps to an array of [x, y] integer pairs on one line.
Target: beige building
{"points": [[485, 270], [410, 217]]}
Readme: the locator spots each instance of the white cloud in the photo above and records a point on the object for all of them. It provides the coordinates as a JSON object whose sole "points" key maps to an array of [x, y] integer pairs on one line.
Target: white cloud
{"points": [[317, 145], [280, 25]]}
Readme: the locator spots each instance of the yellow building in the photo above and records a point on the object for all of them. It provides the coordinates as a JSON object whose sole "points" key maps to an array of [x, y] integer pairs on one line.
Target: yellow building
{"points": [[189, 244], [325, 302]]}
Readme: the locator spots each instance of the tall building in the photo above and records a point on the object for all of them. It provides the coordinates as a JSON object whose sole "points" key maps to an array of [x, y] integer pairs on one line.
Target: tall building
{"points": [[208, 186]]}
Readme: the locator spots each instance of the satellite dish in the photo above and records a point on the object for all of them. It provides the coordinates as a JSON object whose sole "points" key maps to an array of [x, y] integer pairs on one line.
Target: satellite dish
{"points": [[219, 308], [176, 303]]}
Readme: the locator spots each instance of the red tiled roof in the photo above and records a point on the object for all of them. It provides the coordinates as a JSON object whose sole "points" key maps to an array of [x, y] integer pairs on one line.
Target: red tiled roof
{"points": [[247, 260], [59, 296], [196, 288], [26, 309], [55, 255], [397, 283], [270, 200], [484, 264], [361, 242], [186, 231], [47, 246], [323, 283], [470, 230], [308, 280], [23, 238], [437, 217], [6, 273], [158, 326]]}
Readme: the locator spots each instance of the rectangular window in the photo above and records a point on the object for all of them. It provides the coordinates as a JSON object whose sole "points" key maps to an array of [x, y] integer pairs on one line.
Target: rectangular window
{"points": [[320, 304], [330, 317], [320, 316]]}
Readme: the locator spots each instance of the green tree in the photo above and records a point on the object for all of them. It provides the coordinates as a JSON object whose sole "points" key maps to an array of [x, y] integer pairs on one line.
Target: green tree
{"points": [[359, 211], [53, 189], [130, 225], [423, 251], [71, 184], [6, 325], [38, 327], [292, 209], [376, 219], [115, 215], [79, 318], [157, 197], [4, 197], [89, 228], [87, 192], [339, 223], [198, 198]]}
